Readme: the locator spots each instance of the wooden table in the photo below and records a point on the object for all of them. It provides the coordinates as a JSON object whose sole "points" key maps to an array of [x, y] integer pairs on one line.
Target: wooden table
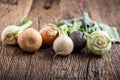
{"points": [[16, 64]]}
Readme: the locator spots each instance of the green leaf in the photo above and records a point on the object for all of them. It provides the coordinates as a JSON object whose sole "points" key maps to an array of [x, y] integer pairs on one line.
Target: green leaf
{"points": [[64, 29], [112, 31], [70, 22], [76, 26], [87, 22]]}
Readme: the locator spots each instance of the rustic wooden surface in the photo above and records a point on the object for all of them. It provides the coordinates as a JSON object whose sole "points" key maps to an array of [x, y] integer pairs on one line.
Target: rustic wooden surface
{"points": [[16, 64]]}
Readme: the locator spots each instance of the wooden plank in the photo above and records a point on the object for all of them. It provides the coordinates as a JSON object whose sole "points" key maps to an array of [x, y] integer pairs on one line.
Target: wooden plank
{"points": [[10, 14], [49, 67], [101, 68], [16, 64]]}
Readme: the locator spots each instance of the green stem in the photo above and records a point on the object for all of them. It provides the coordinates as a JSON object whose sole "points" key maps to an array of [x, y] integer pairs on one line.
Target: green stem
{"points": [[76, 26], [64, 29], [61, 30], [55, 27], [112, 40], [23, 21], [87, 34], [26, 25]]}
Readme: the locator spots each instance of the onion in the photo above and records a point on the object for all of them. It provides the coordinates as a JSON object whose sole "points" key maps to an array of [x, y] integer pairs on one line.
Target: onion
{"points": [[48, 35], [30, 40]]}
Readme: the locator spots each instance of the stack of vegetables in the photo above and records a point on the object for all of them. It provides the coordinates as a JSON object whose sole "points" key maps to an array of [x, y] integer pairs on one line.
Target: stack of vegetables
{"points": [[72, 34]]}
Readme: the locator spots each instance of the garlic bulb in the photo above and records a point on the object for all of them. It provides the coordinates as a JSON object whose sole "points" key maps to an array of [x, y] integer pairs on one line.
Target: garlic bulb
{"points": [[99, 42]]}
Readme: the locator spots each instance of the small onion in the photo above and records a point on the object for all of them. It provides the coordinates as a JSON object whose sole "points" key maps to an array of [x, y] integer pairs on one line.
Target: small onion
{"points": [[48, 35], [30, 40]]}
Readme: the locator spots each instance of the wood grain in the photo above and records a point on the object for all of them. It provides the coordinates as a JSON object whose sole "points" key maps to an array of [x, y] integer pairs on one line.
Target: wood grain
{"points": [[16, 64]]}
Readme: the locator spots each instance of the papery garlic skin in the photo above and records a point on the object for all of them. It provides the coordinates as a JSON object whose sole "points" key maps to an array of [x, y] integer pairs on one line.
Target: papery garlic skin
{"points": [[99, 43], [8, 35]]}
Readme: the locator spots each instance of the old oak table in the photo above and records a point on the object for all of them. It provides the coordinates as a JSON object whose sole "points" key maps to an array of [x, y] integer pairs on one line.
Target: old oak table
{"points": [[16, 64]]}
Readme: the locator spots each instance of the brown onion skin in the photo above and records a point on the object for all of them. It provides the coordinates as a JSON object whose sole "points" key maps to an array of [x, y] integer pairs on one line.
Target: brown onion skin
{"points": [[48, 35], [30, 40]]}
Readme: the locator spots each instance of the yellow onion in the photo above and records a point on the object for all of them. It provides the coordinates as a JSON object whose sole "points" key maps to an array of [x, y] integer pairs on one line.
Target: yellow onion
{"points": [[99, 42]]}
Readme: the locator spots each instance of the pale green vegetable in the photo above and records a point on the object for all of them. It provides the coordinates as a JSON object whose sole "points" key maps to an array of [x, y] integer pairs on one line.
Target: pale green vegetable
{"points": [[99, 42]]}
